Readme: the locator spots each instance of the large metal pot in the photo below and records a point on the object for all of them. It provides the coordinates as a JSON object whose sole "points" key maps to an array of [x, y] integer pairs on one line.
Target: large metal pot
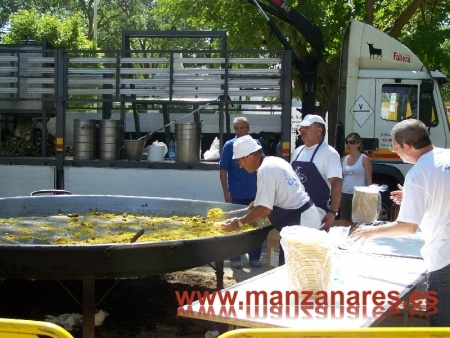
{"points": [[116, 260], [188, 142]]}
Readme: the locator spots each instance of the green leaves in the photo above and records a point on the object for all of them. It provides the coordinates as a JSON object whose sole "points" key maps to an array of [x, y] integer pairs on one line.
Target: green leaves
{"points": [[422, 25], [31, 25]]}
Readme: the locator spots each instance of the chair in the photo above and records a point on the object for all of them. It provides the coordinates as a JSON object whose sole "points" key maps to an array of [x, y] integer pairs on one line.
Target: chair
{"points": [[20, 328]]}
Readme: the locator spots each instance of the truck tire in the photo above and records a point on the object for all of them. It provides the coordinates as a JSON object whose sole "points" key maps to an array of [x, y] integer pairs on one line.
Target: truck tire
{"points": [[386, 213]]}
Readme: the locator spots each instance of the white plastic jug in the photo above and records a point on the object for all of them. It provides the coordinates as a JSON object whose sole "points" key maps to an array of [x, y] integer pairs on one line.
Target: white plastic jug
{"points": [[157, 151]]}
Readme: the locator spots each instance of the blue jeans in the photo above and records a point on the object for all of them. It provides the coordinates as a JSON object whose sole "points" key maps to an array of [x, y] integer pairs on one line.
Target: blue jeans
{"points": [[254, 255], [439, 281]]}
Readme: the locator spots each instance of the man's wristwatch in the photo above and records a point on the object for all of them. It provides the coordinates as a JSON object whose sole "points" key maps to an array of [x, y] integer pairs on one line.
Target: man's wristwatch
{"points": [[239, 222], [333, 212]]}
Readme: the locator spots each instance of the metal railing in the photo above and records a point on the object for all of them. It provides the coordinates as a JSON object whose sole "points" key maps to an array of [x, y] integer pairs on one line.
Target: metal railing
{"points": [[118, 76]]}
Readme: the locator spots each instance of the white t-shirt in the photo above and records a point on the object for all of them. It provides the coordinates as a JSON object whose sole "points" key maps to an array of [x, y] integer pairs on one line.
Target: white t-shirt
{"points": [[327, 160], [426, 203], [278, 185]]}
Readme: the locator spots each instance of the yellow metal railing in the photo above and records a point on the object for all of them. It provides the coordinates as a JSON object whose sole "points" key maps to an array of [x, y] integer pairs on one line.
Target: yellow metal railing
{"points": [[379, 332], [20, 328]]}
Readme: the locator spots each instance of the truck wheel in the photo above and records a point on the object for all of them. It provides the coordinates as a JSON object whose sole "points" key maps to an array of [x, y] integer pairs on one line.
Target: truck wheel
{"points": [[385, 213]]}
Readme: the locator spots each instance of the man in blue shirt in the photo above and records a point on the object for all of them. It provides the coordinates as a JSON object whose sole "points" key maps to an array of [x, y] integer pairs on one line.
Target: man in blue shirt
{"points": [[239, 186]]}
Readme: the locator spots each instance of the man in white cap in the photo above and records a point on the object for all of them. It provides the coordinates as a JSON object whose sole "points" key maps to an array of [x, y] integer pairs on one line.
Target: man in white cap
{"points": [[318, 165], [280, 196]]}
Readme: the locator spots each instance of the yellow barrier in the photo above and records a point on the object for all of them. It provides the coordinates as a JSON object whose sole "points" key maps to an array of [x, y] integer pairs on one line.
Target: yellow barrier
{"points": [[20, 328], [382, 332]]}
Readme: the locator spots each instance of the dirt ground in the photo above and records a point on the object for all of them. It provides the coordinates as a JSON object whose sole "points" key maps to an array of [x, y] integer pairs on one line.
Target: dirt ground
{"points": [[141, 307], [137, 308]]}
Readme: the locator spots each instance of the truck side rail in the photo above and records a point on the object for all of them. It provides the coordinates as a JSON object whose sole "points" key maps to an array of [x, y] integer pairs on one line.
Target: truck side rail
{"points": [[92, 76]]}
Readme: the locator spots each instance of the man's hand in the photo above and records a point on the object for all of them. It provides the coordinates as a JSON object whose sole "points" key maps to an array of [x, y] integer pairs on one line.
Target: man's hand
{"points": [[230, 224], [363, 234], [227, 196], [397, 196], [327, 221]]}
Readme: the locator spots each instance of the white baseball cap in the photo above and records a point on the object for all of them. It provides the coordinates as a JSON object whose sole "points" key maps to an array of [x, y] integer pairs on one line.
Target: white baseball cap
{"points": [[244, 146], [310, 119]]}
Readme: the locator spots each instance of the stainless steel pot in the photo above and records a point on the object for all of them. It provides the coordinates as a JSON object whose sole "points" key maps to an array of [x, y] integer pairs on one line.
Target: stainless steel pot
{"points": [[134, 149], [188, 142]]}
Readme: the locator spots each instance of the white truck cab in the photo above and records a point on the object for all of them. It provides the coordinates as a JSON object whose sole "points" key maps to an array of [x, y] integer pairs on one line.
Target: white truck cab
{"points": [[383, 82]]}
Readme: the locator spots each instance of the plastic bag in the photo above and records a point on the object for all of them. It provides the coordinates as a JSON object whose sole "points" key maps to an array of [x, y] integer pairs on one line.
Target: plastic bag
{"points": [[366, 203], [309, 258], [213, 154]]}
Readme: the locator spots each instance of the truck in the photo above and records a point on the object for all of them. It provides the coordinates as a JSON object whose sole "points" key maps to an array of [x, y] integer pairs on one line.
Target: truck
{"points": [[381, 82]]}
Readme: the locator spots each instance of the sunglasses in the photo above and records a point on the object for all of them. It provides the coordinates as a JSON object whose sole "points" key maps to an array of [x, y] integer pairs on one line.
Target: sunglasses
{"points": [[351, 142]]}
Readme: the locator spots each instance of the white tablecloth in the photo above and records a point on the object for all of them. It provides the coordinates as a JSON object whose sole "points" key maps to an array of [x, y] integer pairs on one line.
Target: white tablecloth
{"points": [[358, 276]]}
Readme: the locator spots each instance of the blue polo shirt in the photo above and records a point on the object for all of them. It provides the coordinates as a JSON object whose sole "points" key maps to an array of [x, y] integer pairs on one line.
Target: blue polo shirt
{"points": [[242, 185]]}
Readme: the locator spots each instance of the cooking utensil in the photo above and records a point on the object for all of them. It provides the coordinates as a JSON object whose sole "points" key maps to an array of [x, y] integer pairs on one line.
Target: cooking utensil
{"points": [[235, 211], [147, 137], [9, 241], [134, 149], [226, 213], [113, 260], [138, 234]]}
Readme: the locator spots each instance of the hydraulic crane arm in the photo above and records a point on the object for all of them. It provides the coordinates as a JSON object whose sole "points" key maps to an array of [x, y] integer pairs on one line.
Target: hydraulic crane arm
{"points": [[311, 33], [307, 65]]}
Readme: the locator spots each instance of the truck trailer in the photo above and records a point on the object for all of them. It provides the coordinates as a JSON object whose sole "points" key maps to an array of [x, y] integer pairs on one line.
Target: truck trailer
{"points": [[381, 83]]}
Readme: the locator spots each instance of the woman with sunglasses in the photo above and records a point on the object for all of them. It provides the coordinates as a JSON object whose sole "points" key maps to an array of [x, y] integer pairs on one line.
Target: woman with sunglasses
{"points": [[356, 171]]}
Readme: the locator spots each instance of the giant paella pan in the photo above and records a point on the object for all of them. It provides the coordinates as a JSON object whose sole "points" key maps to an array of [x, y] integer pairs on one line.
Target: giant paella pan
{"points": [[50, 258], [47, 256]]}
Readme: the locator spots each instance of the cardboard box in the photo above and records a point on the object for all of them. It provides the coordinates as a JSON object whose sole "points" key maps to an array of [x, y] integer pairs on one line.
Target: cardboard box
{"points": [[273, 249]]}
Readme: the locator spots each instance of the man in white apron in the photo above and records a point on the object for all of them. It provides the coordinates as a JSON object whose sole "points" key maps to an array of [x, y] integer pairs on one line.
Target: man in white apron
{"points": [[280, 196]]}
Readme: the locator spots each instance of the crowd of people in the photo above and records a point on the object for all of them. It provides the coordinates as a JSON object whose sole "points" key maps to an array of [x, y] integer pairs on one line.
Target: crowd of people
{"points": [[318, 184]]}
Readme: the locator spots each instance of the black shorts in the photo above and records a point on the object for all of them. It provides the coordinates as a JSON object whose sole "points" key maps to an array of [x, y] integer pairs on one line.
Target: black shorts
{"points": [[346, 206]]}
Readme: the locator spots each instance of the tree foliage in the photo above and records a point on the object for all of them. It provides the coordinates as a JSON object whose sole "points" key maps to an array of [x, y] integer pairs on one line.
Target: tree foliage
{"points": [[31, 25], [423, 25]]}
